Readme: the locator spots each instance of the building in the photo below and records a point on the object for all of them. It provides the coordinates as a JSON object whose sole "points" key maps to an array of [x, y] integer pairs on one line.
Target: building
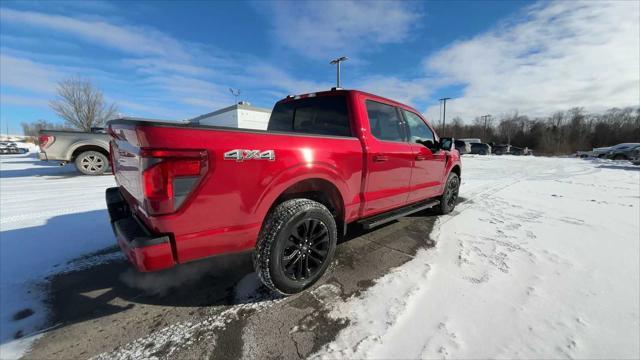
{"points": [[241, 115]]}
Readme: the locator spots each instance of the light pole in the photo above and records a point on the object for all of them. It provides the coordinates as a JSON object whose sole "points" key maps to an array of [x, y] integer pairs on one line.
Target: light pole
{"points": [[484, 133], [235, 93], [337, 62], [444, 112]]}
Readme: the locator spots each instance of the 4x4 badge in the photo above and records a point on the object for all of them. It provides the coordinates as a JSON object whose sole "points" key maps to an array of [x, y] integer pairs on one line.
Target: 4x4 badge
{"points": [[243, 154]]}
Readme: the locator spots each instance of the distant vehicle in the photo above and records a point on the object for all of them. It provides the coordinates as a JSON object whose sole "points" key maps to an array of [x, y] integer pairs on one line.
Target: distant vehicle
{"points": [[11, 148], [500, 149], [463, 147], [635, 156], [584, 154], [600, 152], [88, 150], [622, 151], [480, 149], [472, 141], [514, 150]]}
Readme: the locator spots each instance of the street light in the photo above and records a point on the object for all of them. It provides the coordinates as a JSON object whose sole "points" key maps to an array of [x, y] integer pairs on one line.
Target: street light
{"points": [[235, 93], [444, 112], [484, 133], [337, 62]]}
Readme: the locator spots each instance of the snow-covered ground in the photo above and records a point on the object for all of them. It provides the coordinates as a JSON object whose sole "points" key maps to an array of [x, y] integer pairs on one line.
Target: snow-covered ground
{"points": [[540, 259], [48, 216]]}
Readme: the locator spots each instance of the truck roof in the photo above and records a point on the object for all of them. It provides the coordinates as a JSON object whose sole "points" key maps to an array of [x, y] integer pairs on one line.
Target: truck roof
{"points": [[334, 91]]}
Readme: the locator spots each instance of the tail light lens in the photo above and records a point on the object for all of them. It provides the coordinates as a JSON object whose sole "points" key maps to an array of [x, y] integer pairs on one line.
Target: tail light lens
{"points": [[45, 141], [169, 177]]}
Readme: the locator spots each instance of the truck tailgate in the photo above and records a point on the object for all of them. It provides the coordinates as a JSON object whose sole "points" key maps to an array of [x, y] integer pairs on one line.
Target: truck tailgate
{"points": [[125, 155]]}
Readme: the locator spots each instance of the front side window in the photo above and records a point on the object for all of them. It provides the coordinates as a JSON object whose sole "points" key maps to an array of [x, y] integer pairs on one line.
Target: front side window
{"points": [[324, 115], [384, 121], [418, 130]]}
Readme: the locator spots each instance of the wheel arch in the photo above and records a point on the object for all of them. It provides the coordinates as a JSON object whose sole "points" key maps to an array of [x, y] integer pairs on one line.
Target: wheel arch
{"points": [[457, 170], [79, 148], [316, 188]]}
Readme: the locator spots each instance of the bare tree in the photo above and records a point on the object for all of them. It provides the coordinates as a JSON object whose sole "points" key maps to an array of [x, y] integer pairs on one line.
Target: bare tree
{"points": [[81, 105]]}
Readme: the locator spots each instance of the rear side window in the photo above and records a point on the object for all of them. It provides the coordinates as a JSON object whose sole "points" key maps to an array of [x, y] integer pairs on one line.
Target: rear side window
{"points": [[384, 121], [418, 130], [325, 115]]}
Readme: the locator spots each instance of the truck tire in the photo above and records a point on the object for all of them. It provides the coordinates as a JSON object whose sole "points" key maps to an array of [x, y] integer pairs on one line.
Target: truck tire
{"points": [[92, 163], [450, 195], [295, 246]]}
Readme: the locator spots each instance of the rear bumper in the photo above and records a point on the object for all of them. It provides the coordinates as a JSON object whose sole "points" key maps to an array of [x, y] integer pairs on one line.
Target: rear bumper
{"points": [[145, 250]]}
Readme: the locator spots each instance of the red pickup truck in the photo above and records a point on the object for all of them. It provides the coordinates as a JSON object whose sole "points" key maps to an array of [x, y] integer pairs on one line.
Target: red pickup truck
{"points": [[327, 159]]}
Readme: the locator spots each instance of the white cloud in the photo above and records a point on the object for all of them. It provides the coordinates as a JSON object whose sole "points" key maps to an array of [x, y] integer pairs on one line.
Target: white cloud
{"points": [[129, 39], [19, 100], [556, 56], [408, 91], [330, 28], [27, 75]]}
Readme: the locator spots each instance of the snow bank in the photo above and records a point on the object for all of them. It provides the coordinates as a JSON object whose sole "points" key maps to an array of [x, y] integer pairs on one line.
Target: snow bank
{"points": [[541, 260], [48, 216]]}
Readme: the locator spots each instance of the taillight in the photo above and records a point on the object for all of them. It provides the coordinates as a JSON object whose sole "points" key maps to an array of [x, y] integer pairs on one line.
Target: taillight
{"points": [[168, 177], [45, 141]]}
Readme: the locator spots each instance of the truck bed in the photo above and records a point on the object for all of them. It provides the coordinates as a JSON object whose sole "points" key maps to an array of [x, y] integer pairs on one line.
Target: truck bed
{"points": [[206, 224]]}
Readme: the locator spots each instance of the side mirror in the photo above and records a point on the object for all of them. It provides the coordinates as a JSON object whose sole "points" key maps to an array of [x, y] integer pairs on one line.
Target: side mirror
{"points": [[446, 143], [429, 145]]}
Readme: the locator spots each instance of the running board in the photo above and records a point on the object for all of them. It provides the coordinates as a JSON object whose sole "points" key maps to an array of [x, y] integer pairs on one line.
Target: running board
{"points": [[383, 218]]}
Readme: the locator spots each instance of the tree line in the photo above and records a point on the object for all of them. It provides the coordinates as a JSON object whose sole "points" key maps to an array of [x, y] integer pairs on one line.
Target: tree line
{"points": [[564, 132]]}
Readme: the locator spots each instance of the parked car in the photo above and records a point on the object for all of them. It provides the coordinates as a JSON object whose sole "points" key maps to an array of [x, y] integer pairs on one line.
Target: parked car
{"points": [[480, 149], [600, 152], [500, 149], [514, 150], [472, 141], [462, 147], [188, 191], [11, 148], [635, 156], [622, 151], [88, 150]]}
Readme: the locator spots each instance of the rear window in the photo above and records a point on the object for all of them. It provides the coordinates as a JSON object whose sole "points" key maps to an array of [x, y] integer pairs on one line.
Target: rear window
{"points": [[325, 115]]}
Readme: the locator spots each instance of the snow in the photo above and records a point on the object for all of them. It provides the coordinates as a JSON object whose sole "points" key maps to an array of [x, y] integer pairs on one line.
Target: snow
{"points": [[48, 216], [540, 260]]}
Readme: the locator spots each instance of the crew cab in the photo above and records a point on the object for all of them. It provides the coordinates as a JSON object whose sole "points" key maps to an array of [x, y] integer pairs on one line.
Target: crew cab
{"points": [[328, 159]]}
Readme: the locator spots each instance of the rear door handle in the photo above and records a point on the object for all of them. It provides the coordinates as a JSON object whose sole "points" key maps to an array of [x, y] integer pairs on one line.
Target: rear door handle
{"points": [[420, 157], [380, 158]]}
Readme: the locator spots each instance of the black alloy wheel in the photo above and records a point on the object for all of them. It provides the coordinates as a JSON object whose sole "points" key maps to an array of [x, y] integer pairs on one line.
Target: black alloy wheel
{"points": [[306, 249], [451, 193]]}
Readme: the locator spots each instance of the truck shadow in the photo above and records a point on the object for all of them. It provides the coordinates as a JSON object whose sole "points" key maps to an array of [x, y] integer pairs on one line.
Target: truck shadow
{"points": [[43, 169], [113, 287], [103, 284]]}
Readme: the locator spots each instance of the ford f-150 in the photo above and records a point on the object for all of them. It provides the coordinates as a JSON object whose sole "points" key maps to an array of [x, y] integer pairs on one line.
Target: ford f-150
{"points": [[88, 150], [327, 159]]}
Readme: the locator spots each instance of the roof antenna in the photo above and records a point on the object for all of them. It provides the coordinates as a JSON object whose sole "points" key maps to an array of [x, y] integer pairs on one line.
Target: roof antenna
{"points": [[337, 62], [235, 93]]}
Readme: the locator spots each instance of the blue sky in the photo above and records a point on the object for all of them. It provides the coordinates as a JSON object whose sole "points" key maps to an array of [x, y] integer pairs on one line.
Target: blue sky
{"points": [[177, 60]]}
